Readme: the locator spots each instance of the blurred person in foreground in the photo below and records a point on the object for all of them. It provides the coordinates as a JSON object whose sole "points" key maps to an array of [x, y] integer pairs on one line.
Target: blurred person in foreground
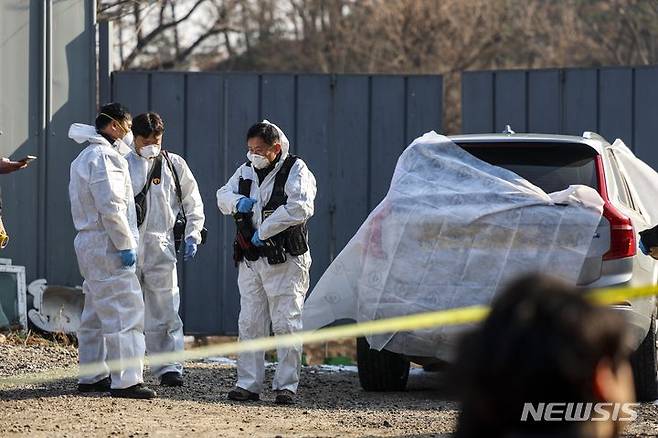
{"points": [[543, 342]]}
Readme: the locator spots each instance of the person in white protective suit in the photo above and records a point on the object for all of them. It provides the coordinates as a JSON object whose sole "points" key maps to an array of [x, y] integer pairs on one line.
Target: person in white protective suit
{"points": [[102, 205], [274, 193], [152, 173]]}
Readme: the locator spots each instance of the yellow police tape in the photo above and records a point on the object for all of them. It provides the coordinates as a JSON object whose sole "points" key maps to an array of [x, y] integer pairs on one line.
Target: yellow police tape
{"points": [[419, 321]]}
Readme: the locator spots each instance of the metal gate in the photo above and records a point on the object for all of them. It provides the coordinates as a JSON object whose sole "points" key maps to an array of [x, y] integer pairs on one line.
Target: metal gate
{"points": [[615, 102], [349, 129]]}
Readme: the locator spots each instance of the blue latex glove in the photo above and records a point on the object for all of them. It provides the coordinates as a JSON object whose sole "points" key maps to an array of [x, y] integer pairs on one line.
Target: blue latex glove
{"points": [[643, 248], [190, 249], [255, 240], [128, 257], [245, 204]]}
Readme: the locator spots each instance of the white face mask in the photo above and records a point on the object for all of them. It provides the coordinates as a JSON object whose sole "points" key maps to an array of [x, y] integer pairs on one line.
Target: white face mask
{"points": [[128, 138], [258, 161], [126, 143], [150, 151]]}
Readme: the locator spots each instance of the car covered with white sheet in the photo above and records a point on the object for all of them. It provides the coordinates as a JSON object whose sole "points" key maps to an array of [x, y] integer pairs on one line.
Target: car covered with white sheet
{"points": [[467, 214]]}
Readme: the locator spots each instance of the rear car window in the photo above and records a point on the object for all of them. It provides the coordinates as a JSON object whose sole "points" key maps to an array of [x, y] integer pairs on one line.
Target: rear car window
{"points": [[550, 166]]}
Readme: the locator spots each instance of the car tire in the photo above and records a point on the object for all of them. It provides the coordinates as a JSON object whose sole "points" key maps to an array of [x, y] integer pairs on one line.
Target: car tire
{"points": [[381, 370], [645, 366]]}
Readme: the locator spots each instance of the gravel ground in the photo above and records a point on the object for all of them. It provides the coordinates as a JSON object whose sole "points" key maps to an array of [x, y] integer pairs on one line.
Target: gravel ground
{"points": [[331, 404]]}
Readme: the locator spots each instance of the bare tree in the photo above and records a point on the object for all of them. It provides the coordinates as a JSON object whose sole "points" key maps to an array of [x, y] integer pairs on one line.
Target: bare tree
{"points": [[165, 33], [626, 31], [390, 35], [384, 36]]}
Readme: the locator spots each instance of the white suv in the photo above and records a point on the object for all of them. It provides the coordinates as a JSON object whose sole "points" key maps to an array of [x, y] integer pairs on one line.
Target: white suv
{"points": [[554, 162]]}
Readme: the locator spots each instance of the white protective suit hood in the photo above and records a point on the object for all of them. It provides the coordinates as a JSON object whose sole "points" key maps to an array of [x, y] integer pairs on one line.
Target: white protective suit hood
{"points": [[285, 144], [451, 231], [81, 133]]}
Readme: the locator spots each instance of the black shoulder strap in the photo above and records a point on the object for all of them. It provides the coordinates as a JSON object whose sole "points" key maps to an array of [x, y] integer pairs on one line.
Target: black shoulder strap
{"points": [[279, 196], [244, 185], [155, 173], [179, 192]]}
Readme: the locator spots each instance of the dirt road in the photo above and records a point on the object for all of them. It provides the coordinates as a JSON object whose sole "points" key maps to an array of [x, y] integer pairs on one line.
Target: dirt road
{"points": [[331, 404]]}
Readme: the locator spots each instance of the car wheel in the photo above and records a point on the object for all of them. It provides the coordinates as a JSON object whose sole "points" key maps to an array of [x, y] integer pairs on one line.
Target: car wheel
{"points": [[645, 366], [381, 370]]}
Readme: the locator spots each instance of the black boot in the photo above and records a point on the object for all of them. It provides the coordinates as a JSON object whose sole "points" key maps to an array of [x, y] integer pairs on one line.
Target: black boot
{"points": [[241, 394], [136, 391], [284, 397], [172, 378], [102, 385]]}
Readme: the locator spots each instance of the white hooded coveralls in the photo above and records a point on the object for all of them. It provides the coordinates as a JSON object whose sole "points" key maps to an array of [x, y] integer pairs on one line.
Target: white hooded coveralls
{"points": [[103, 210], [156, 254], [272, 293]]}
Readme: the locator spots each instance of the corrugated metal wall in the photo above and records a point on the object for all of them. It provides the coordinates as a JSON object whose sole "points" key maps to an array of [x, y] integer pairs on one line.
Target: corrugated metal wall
{"points": [[349, 129], [47, 81], [615, 102]]}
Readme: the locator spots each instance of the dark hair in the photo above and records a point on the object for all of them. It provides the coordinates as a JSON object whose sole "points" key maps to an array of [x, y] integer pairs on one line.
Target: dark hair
{"points": [[109, 112], [540, 343], [148, 123], [265, 131]]}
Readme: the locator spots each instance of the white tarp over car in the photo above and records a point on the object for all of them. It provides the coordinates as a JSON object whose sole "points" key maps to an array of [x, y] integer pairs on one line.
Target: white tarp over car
{"points": [[643, 180], [451, 230]]}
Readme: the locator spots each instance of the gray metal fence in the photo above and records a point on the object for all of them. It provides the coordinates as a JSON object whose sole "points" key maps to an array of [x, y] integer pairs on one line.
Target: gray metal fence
{"points": [[349, 129], [615, 102]]}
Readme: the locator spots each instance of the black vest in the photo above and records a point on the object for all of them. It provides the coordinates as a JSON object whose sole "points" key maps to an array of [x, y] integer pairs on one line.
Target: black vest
{"points": [[293, 240], [278, 197]]}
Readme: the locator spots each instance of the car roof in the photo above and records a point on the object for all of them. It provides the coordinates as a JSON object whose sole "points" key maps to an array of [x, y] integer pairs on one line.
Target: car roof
{"points": [[592, 140]]}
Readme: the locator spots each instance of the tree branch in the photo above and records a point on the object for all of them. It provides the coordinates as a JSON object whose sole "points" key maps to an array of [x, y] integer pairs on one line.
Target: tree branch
{"points": [[156, 32], [188, 51]]}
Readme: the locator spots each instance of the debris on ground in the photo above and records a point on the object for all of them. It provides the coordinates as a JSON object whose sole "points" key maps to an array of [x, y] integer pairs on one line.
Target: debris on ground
{"points": [[331, 404]]}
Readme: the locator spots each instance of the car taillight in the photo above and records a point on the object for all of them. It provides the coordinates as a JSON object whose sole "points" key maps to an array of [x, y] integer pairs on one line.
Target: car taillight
{"points": [[622, 234]]}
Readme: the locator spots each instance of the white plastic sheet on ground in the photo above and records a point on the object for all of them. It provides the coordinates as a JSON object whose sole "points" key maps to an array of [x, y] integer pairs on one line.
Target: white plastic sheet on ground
{"points": [[642, 178], [451, 230]]}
